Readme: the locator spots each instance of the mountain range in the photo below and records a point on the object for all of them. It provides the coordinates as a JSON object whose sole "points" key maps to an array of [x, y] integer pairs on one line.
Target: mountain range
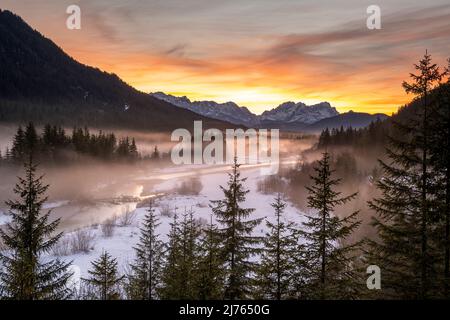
{"points": [[290, 116]]}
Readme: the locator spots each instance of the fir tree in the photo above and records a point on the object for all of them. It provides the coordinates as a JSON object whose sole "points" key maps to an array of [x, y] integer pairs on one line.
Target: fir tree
{"points": [[189, 237], [31, 141], [179, 276], [421, 86], [440, 162], [104, 278], [26, 275], [209, 281], [18, 147], [324, 139], [407, 207], [275, 276], [238, 244], [330, 262], [445, 165], [145, 280], [123, 149], [171, 278], [134, 155]]}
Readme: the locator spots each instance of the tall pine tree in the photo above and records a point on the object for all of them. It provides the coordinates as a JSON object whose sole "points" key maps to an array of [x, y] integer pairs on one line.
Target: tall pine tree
{"points": [[238, 243], [104, 278], [209, 281], [407, 210], [145, 278], [26, 275], [189, 254], [331, 272], [171, 277], [440, 162], [444, 162], [277, 267], [18, 147]]}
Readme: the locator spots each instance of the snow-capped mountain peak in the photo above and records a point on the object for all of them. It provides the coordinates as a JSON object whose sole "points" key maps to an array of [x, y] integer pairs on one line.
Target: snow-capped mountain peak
{"points": [[228, 111], [300, 112]]}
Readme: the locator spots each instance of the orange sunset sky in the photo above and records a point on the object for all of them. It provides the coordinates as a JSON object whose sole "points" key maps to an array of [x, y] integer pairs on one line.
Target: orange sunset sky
{"points": [[257, 53]]}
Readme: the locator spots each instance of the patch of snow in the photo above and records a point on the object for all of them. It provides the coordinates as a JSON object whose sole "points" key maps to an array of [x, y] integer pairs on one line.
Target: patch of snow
{"points": [[4, 218]]}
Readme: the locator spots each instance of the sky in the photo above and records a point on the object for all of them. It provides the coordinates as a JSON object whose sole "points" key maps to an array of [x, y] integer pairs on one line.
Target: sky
{"points": [[257, 53]]}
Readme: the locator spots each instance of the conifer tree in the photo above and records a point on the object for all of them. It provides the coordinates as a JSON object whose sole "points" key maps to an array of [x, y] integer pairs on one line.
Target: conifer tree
{"points": [[179, 276], [31, 141], [277, 267], [133, 150], [104, 278], [325, 138], [145, 279], [209, 281], [18, 147], [238, 243], [444, 115], [25, 274], [440, 162], [171, 279], [407, 207], [330, 262], [421, 86], [189, 241]]}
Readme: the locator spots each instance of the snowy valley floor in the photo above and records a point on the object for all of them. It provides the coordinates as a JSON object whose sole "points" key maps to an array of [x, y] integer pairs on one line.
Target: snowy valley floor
{"points": [[120, 243]]}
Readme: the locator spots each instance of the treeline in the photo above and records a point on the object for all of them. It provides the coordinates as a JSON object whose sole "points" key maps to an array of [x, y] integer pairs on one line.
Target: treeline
{"points": [[53, 145], [378, 133], [374, 134]]}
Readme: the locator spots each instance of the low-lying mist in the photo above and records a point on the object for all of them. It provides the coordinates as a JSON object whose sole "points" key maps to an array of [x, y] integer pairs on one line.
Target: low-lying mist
{"points": [[357, 169], [91, 190]]}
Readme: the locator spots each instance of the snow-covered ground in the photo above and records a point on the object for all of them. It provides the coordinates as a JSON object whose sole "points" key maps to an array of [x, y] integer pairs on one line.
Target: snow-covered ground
{"points": [[120, 244], [4, 218]]}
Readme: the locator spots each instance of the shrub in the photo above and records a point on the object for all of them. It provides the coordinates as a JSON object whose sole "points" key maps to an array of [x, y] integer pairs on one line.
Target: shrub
{"points": [[62, 247], [192, 186], [108, 227], [127, 218], [166, 210], [82, 241]]}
